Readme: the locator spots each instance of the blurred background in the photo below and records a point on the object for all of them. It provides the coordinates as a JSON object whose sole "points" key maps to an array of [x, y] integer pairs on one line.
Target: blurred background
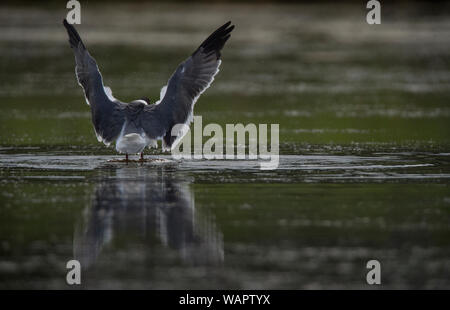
{"points": [[364, 120], [319, 69]]}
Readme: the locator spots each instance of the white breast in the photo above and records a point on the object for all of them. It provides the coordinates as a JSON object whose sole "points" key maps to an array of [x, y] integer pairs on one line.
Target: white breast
{"points": [[131, 143]]}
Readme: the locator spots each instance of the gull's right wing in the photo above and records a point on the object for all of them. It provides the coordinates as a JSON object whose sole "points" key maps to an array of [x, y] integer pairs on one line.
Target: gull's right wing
{"points": [[107, 113]]}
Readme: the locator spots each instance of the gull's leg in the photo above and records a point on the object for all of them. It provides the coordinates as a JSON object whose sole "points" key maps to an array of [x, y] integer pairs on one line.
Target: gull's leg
{"points": [[142, 156], [126, 157]]}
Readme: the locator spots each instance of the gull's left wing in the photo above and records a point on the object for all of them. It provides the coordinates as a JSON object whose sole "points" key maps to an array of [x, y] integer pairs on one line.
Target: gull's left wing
{"points": [[188, 82]]}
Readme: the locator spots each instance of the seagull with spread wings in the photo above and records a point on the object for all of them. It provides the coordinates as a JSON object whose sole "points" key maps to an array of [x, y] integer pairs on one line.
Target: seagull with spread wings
{"points": [[138, 124]]}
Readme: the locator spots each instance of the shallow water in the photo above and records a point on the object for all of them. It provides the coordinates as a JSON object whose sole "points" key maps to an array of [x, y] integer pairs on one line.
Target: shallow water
{"points": [[364, 169], [312, 223]]}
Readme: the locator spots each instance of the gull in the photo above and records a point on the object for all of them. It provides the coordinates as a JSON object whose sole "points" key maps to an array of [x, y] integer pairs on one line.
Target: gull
{"points": [[138, 124]]}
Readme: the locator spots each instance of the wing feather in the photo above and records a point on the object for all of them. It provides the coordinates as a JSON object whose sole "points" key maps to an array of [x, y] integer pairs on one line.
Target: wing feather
{"points": [[107, 112], [187, 83]]}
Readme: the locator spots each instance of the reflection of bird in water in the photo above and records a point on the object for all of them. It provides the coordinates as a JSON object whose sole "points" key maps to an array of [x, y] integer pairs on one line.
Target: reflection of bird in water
{"points": [[140, 204]]}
